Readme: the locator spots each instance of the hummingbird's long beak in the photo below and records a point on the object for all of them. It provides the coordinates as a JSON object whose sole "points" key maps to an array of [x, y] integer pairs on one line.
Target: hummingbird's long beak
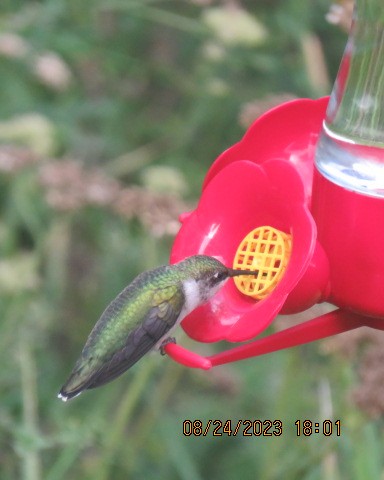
{"points": [[235, 273]]}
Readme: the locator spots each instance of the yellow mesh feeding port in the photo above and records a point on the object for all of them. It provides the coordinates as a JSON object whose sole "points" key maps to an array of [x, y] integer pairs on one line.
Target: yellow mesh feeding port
{"points": [[267, 250]]}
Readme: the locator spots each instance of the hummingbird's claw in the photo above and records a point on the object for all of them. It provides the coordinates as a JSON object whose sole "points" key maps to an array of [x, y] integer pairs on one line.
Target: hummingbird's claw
{"points": [[165, 342]]}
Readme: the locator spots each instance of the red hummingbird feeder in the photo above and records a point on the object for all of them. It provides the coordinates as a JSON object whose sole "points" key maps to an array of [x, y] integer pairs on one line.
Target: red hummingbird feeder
{"points": [[300, 199]]}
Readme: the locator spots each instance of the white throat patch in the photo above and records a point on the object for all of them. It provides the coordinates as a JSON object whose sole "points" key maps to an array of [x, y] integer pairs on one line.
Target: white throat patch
{"points": [[192, 295]]}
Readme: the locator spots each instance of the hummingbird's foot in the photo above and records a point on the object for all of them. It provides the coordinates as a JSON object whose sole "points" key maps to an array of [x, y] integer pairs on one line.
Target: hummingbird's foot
{"points": [[165, 342]]}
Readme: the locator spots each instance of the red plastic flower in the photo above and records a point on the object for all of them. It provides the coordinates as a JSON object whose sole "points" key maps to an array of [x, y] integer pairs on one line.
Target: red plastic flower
{"points": [[263, 180]]}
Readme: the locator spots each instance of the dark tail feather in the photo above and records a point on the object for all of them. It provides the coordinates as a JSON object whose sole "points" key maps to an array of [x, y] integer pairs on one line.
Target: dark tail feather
{"points": [[73, 386], [65, 395]]}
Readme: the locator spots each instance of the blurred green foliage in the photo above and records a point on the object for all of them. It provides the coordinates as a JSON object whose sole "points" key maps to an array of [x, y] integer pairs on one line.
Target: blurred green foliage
{"points": [[149, 92]]}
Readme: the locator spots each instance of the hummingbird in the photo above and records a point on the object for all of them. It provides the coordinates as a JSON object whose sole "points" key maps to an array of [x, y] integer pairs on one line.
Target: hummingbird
{"points": [[142, 317]]}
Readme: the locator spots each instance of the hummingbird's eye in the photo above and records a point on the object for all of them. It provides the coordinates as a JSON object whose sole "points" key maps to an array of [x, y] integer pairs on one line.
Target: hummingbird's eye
{"points": [[219, 276]]}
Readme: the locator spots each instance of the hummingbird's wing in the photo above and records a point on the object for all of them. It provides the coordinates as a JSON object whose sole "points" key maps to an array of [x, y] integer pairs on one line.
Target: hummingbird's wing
{"points": [[158, 322]]}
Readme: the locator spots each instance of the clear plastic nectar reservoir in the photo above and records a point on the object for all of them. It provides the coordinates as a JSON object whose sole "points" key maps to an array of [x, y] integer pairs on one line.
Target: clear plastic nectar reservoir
{"points": [[350, 152]]}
